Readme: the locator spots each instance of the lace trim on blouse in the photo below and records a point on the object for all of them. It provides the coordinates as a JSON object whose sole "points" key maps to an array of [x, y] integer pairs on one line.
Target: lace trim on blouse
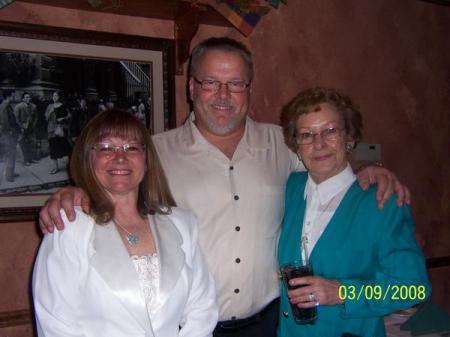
{"points": [[147, 268]]}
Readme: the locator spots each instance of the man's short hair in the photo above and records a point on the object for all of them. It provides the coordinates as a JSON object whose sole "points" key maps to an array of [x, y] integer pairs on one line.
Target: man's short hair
{"points": [[221, 44], [8, 93], [26, 93]]}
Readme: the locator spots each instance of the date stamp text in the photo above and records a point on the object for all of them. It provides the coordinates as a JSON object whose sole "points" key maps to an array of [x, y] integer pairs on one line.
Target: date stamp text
{"points": [[380, 293]]}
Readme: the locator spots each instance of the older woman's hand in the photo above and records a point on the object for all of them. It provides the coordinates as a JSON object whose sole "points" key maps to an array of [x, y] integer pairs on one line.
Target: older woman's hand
{"points": [[315, 290], [387, 183]]}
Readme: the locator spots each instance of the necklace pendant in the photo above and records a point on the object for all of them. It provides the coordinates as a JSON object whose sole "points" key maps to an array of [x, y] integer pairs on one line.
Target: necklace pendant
{"points": [[132, 239]]}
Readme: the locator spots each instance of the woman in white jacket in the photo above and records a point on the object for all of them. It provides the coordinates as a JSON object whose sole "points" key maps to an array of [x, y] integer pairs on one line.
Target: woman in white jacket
{"points": [[132, 265]]}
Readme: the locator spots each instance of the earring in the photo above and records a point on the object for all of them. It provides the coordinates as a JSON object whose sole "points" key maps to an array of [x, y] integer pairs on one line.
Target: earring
{"points": [[349, 147]]}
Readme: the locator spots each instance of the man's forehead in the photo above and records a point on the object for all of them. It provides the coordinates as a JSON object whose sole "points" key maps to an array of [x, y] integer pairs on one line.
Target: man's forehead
{"points": [[220, 60]]}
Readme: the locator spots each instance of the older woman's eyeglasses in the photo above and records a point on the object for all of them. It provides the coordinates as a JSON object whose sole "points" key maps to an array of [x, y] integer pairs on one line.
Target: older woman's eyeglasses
{"points": [[213, 85], [305, 138], [108, 150]]}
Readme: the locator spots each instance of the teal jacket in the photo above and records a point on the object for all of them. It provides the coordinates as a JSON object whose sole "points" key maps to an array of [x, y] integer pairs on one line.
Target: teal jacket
{"points": [[371, 252]]}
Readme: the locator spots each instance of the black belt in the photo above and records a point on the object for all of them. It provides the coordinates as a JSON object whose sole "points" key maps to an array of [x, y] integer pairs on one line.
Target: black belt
{"points": [[234, 325]]}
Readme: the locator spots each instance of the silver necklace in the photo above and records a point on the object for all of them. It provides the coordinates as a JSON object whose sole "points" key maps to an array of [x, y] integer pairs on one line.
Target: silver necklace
{"points": [[132, 238]]}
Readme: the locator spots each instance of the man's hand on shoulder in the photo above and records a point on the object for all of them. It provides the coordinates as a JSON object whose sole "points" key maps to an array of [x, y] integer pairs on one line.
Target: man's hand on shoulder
{"points": [[66, 198], [387, 183]]}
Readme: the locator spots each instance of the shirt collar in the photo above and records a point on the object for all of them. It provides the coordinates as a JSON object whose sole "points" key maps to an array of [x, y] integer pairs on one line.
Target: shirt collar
{"points": [[329, 188], [192, 135]]}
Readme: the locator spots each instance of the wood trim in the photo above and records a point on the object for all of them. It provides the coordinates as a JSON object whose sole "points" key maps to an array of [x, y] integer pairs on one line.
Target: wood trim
{"points": [[41, 32], [439, 2], [155, 9], [438, 262], [19, 214], [14, 318]]}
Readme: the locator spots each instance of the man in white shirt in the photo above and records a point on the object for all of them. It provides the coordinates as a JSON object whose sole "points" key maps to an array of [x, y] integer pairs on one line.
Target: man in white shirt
{"points": [[231, 172]]}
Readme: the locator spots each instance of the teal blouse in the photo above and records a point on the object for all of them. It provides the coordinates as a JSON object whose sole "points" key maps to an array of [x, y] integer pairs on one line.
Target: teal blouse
{"points": [[372, 252]]}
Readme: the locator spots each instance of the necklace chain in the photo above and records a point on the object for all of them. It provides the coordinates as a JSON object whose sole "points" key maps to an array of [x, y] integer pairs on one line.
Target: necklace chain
{"points": [[132, 238]]}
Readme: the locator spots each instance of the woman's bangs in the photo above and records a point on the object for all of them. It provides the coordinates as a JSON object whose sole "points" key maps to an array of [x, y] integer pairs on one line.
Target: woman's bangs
{"points": [[125, 129]]}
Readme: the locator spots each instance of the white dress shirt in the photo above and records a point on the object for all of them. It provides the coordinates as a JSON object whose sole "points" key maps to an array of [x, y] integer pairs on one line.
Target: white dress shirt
{"points": [[239, 204], [322, 200]]}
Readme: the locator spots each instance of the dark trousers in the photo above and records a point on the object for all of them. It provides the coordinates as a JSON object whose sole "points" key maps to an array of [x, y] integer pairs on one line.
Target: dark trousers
{"points": [[262, 324], [28, 146], [10, 141]]}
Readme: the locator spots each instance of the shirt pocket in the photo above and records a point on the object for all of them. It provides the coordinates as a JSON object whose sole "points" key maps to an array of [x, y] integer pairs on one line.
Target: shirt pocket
{"points": [[270, 209]]}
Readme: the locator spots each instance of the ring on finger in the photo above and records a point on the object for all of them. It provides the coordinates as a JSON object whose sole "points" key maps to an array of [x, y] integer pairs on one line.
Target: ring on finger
{"points": [[312, 297]]}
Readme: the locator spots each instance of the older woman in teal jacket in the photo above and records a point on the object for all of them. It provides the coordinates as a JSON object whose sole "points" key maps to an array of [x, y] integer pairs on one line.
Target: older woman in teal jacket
{"points": [[366, 261]]}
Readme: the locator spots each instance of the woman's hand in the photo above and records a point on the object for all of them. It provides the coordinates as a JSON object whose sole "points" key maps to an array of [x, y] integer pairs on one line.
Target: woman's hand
{"points": [[66, 198], [387, 183], [315, 290]]}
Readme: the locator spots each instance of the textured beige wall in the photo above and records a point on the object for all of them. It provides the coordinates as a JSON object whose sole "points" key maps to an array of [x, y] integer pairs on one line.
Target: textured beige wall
{"points": [[18, 246], [71, 18], [392, 58]]}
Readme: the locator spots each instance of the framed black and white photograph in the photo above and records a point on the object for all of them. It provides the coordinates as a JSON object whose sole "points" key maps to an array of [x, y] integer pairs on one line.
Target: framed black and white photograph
{"points": [[52, 81]]}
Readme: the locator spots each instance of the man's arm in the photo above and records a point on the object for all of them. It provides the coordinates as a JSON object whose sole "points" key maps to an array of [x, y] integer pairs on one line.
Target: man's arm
{"points": [[387, 183], [66, 198]]}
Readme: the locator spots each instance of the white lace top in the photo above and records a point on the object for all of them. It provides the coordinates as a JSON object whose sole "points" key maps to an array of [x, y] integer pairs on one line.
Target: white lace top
{"points": [[147, 267]]}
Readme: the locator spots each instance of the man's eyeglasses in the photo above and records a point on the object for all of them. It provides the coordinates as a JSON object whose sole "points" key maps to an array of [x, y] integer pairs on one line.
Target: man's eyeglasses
{"points": [[305, 138], [108, 150], [232, 86]]}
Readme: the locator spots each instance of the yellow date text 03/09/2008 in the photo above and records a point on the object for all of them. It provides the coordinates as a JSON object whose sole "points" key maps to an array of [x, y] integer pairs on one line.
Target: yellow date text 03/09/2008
{"points": [[380, 293]]}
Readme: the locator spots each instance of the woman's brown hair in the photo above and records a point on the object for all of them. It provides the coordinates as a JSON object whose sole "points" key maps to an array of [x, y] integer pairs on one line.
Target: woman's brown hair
{"points": [[309, 101], [154, 195]]}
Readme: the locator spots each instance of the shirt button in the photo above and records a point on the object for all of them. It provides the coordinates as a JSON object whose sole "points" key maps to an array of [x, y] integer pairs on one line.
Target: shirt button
{"points": [[238, 260], [285, 314], [237, 228], [236, 291], [236, 197], [231, 167]]}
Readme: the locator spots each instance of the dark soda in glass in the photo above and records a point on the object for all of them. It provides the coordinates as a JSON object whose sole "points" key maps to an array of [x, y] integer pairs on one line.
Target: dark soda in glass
{"points": [[293, 270]]}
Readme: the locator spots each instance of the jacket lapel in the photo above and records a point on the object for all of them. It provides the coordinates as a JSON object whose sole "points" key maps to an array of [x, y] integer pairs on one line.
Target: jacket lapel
{"points": [[297, 225], [168, 242], [112, 261], [289, 247], [336, 233]]}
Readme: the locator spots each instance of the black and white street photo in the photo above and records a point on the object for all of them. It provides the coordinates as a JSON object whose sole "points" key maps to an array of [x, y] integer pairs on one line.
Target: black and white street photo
{"points": [[46, 100]]}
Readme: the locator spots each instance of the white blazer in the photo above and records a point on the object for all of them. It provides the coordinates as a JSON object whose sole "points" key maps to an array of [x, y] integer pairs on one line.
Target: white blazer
{"points": [[84, 283]]}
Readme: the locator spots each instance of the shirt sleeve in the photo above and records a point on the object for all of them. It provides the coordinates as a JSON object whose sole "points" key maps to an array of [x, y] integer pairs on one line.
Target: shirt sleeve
{"points": [[296, 163], [400, 280], [55, 283], [201, 311]]}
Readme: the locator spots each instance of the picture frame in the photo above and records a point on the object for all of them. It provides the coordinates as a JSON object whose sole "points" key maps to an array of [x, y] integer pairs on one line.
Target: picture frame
{"points": [[67, 49]]}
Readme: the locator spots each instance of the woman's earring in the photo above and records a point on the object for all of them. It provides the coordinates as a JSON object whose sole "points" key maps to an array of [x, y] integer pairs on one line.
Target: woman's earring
{"points": [[349, 147]]}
